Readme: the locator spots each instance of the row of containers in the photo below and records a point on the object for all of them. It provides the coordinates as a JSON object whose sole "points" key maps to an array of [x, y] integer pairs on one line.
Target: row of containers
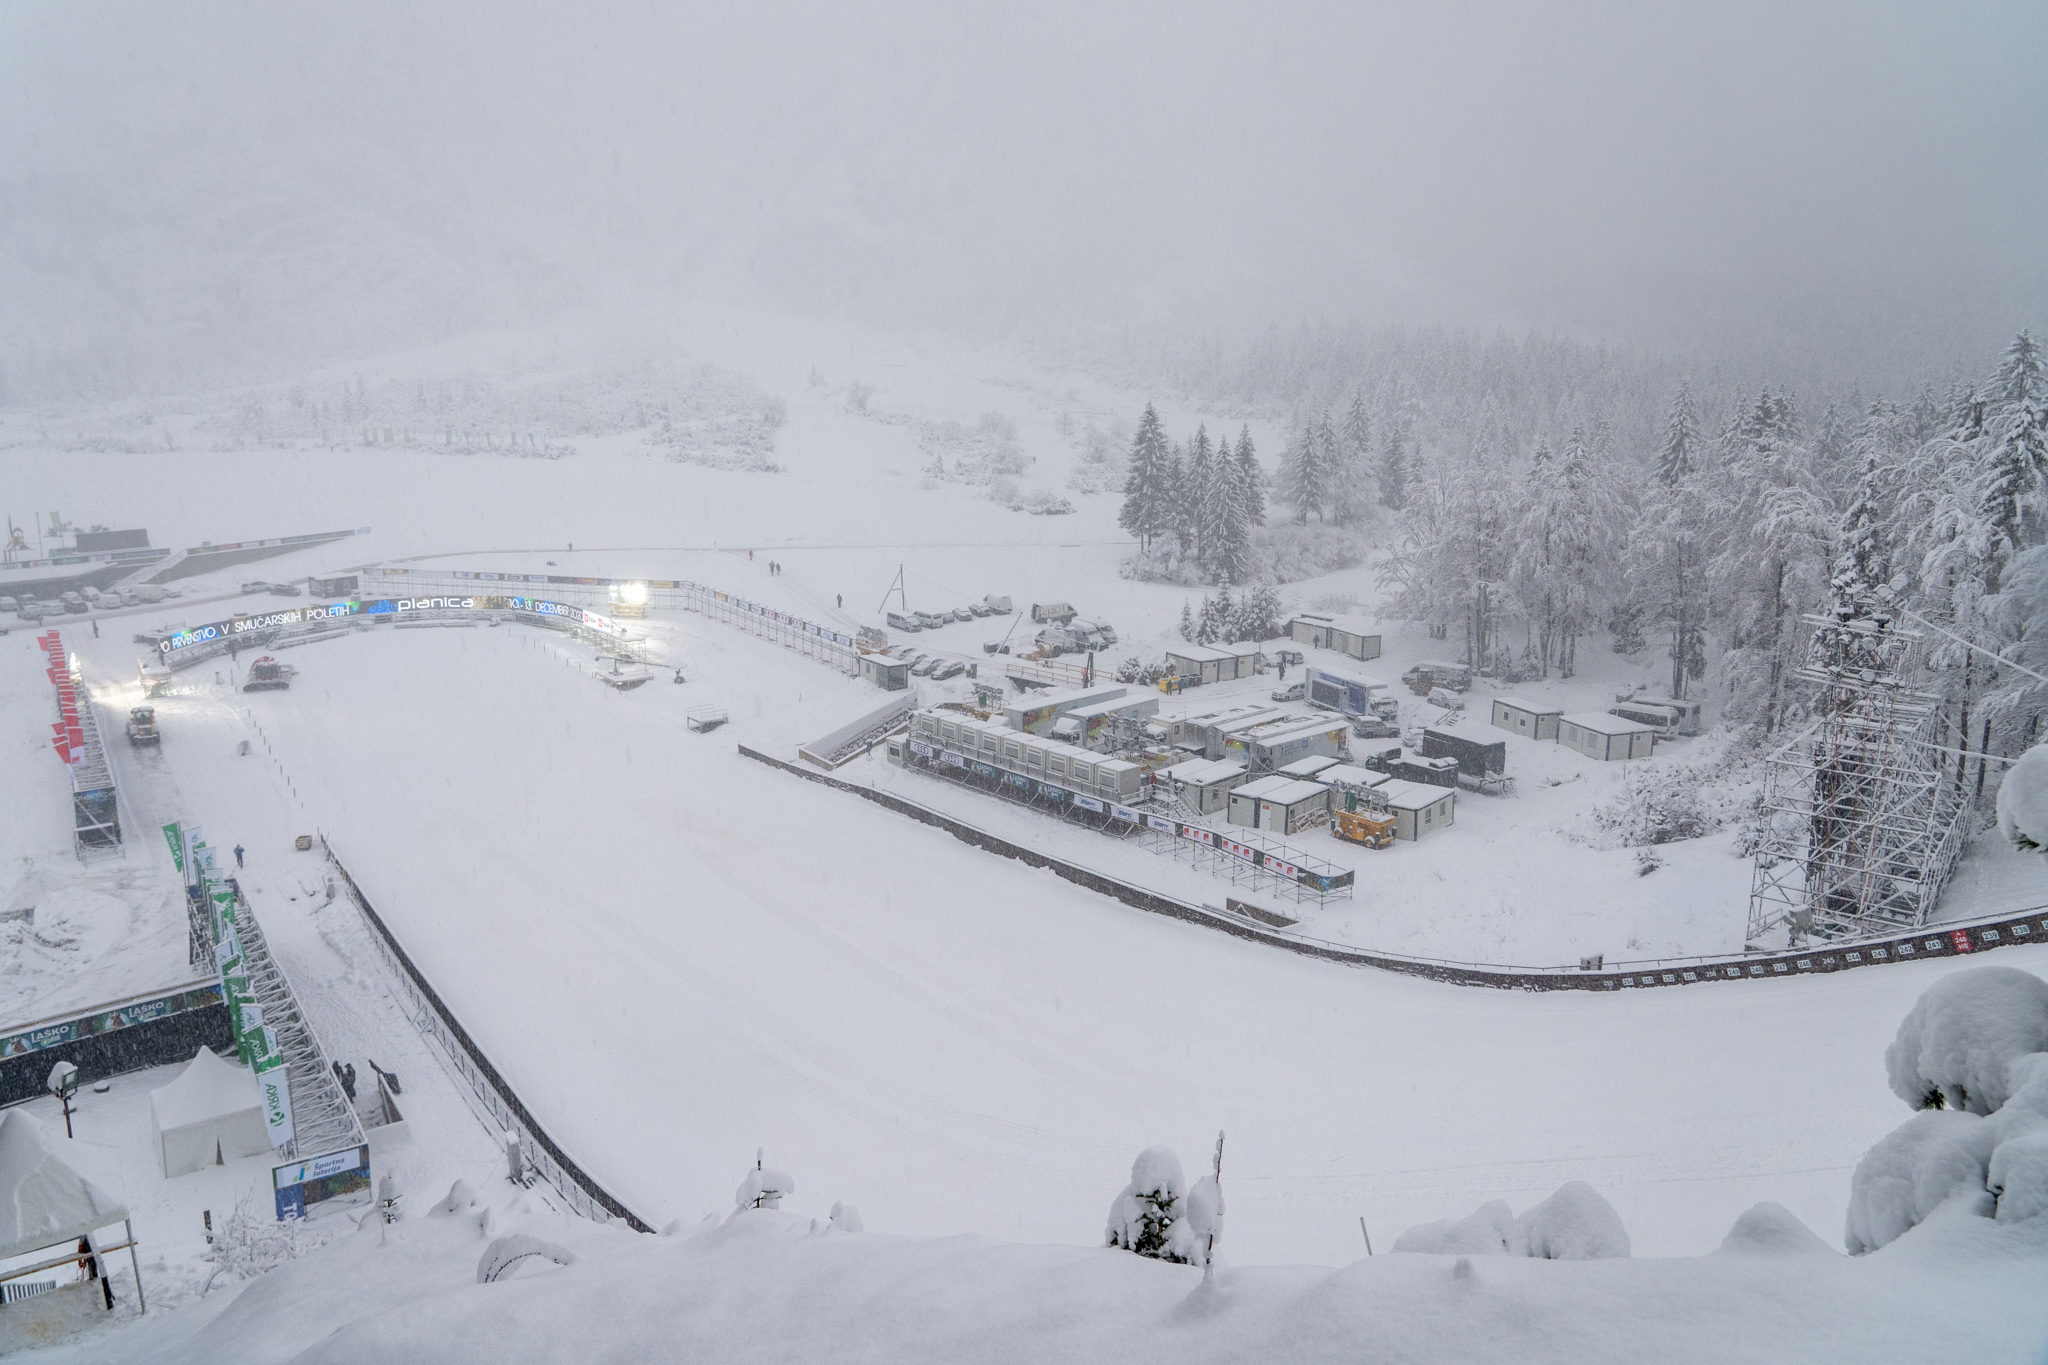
{"points": [[1049, 771], [75, 735]]}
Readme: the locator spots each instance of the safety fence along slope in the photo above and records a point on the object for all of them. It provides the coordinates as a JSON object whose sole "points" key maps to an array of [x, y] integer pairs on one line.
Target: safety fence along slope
{"points": [[828, 646], [540, 1152], [1950, 940]]}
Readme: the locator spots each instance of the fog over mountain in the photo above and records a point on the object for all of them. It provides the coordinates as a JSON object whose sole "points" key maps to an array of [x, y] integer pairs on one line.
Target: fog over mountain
{"points": [[1849, 191]]}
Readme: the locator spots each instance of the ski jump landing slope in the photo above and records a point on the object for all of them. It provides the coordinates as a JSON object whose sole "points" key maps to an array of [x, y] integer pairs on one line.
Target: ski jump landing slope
{"points": [[677, 956]]}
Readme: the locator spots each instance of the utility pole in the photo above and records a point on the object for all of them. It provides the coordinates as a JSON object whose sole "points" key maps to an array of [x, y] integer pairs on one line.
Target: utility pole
{"points": [[897, 588]]}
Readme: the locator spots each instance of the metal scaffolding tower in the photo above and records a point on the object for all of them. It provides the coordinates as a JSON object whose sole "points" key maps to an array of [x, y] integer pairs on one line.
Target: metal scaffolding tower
{"points": [[1859, 831]]}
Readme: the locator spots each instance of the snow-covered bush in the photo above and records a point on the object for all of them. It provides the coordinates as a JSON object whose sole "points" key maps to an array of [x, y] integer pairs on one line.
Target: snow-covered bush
{"points": [[763, 1188], [1773, 1230], [1136, 670], [1142, 1216], [1912, 1171], [2023, 801], [1575, 1224], [846, 1218], [1972, 1054], [1484, 1232], [253, 1240], [1955, 1044]]}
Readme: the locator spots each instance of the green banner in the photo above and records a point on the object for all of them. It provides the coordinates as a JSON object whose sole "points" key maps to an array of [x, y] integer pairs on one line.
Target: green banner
{"points": [[176, 839], [277, 1094]]}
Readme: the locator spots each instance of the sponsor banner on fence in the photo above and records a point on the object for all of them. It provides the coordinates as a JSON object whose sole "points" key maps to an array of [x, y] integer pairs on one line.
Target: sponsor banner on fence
{"points": [[955, 760], [331, 1175], [1161, 823], [378, 608], [1196, 834], [920, 748], [177, 843], [1125, 814], [1088, 803], [276, 1087], [107, 1021]]}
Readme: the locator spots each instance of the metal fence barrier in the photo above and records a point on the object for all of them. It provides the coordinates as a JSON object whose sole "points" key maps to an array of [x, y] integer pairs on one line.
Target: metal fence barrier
{"points": [[1948, 940], [432, 1016]]}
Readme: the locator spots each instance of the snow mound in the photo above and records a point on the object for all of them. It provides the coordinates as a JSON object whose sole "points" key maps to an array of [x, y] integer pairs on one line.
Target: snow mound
{"points": [[1484, 1232], [846, 1218], [1961, 1036], [1575, 1224], [2023, 801], [2018, 1175], [1773, 1230], [1931, 1158]]}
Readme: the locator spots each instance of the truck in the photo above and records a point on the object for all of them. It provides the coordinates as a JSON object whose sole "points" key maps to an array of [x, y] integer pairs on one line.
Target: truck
{"points": [[142, 727], [1100, 633], [1060, 612], [998, 605], [1429, 675], [268, 675]]}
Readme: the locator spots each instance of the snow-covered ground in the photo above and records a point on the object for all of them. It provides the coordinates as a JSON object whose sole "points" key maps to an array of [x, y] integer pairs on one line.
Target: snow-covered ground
{"points": [[678, 955]]}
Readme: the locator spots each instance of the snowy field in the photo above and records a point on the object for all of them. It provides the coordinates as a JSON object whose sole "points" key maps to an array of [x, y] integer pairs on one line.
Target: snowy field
{"points": [[678, 955]]}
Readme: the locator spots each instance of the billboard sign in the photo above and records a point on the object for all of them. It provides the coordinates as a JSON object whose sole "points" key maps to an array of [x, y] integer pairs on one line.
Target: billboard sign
{"points": [[315, 1180]]}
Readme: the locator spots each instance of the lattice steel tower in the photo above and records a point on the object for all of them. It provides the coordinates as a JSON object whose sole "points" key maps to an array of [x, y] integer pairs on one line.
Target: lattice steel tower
{"points": [[1859, 831]]}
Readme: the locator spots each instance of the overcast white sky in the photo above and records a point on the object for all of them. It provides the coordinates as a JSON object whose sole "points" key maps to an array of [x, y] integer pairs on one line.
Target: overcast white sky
{"points": [[1862, 186]]}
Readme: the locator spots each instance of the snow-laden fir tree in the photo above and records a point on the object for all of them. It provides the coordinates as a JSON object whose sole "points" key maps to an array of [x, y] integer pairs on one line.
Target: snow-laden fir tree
{"points": [[1677, 456], [1251, 479], [1304, 476], [1149, 497]]}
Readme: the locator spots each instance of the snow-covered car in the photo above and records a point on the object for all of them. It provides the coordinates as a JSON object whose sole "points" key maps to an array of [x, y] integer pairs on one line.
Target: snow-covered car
{"points": [[255, 585], [923, 667], [962, 614], [1293, 692], [286, 590], [899, 621], [9, 604], [999, 605], [951, 669], [78, 607], [932, 620], [981, 609], [29, 611]]}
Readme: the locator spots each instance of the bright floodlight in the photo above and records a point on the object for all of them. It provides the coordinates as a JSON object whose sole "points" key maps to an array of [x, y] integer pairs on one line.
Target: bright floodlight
{"points": [[634, 594]]}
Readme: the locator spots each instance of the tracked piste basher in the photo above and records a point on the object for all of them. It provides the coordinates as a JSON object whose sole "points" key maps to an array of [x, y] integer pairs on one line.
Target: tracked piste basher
{"points": [[268, 675]]}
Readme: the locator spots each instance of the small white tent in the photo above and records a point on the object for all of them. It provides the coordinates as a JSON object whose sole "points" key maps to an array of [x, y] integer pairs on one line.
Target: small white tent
{"points": [[43, 1202], [213, 1110]]}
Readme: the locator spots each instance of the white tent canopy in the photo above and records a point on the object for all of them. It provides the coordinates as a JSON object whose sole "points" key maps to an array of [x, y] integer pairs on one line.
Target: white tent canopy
{"points": [[43, 1202], [213, 1109]]}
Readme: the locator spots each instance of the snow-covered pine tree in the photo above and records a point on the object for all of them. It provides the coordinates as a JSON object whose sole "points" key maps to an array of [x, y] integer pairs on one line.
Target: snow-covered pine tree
{"points": [[1257, 615], [1303, 482], [1142, 1216], [1187, 622], [1678, 454], [1393, 469], [1180, 508], [1251, 479], [1148, 497], [1202, 501]]}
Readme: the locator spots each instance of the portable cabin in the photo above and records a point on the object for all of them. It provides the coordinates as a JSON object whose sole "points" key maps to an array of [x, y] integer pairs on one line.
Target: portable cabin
{"points": [[1351, 635], [1688, 711], [1279, 805], [1305, 769], [1198, 664], [1663, 719], [1210, 728], [1348, 694], [1039, 757], [1418, 809], [1269, 748], [1432, 772], [1224, 736], [1608, 738], [1035, 713], [1529, 719], [1475, 758], [1094, 724], [891, 675], [1350, 785], [1205, 784]]}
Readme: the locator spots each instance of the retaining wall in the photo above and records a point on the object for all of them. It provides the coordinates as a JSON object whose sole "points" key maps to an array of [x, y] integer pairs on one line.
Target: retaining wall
{"points": [[1948, 940]]}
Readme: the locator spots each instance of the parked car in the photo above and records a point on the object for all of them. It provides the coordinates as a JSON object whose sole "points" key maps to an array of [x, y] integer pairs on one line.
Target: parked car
{"points": [[962, 614], [255, 586], [932, 620], [9, 604], [1292, 693], [999, 605], [981, 609], [923, 667], [89, 593], [1444, 697], [898, 621], [29, 611], [952, 668], [286, 590], [78, 606]]}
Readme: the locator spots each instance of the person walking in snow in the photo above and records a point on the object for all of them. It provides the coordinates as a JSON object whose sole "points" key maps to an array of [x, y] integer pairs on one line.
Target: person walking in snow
{"points": [[839, 599], [95, 630], [238, 855]]}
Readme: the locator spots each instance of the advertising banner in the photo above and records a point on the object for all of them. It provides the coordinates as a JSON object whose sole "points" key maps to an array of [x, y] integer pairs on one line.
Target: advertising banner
{"points": [[1161, 823], [1087, 803], [277, 1093], [1125, 814], [331, 1175], [1197, 834], [177, 843]]}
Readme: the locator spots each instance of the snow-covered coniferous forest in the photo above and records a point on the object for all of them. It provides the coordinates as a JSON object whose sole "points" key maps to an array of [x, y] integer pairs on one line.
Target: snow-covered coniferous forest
{"points": [[1027, 684]]}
